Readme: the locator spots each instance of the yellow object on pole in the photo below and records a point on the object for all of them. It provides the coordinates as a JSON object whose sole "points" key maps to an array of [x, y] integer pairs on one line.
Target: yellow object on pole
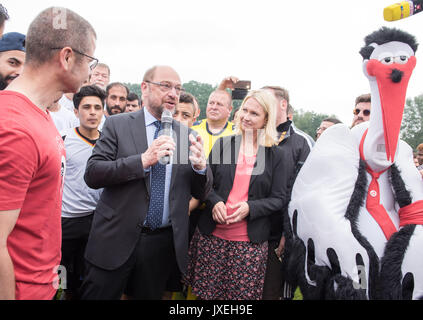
{"points": [[402, 10], [397, 11]]}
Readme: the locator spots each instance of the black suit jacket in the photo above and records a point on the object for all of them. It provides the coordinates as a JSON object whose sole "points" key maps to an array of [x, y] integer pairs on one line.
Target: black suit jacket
{"points": [[268, 190], [298, 148], [116, 166]]}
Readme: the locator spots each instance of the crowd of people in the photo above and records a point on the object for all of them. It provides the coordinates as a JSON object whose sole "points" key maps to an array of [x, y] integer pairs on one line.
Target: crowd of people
{"points": [[89, 182]]}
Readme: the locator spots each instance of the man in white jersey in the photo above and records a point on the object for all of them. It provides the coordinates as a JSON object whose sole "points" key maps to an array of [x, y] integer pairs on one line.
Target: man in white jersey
{"points": [[79, 201]]}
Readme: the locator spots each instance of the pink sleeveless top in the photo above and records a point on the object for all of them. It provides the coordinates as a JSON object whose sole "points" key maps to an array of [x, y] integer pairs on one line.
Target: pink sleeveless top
{"points": [[239, 193]]}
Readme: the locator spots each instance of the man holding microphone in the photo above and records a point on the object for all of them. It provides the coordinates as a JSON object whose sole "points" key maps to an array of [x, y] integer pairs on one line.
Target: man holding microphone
{"points": [[140, 226]]}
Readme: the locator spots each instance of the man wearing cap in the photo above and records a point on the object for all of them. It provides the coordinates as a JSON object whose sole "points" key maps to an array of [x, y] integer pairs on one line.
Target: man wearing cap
{"points": [[12, 57]]}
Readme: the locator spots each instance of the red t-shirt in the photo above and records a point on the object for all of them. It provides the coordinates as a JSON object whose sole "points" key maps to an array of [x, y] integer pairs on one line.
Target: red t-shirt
{"points": [[237, 231], [32, 168]]}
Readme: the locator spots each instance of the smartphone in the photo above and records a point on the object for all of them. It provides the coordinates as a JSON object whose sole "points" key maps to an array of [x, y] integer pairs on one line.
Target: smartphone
{"points": [[243, 84], [241, 89]]}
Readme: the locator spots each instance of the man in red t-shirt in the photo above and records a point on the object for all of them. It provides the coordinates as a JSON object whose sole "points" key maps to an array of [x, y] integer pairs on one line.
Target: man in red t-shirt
{"points": [[32, 155]]}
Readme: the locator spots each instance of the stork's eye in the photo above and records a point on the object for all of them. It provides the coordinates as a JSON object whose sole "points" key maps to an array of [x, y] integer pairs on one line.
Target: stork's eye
{"points": [[402, 59], [387, 60], [386, 57]]}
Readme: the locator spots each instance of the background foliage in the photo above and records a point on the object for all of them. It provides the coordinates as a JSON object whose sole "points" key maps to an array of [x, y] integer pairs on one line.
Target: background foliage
{"points": [[309, 121], [412, 123]]}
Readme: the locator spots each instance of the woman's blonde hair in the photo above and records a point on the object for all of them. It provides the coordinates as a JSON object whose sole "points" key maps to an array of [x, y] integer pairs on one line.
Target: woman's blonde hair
{"points": [[268, 136]]}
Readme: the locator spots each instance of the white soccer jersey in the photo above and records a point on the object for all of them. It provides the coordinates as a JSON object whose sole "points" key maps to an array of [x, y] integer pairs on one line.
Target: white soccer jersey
{"points": [[67, 103], [78, 199], [64, 119]]}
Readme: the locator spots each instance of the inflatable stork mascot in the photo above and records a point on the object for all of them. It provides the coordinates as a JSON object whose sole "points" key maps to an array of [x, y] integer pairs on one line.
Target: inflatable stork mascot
{"points": [[356, 212]]}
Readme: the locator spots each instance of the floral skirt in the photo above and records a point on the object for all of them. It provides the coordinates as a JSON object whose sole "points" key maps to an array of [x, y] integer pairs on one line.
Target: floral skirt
{"points": [[226, 270]]}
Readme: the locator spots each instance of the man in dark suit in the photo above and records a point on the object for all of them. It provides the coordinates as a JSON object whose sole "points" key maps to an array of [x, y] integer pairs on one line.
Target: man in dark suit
{"points": [[140, 225]]}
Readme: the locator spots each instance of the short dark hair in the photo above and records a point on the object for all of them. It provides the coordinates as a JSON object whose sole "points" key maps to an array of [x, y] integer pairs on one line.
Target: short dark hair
{"points": [[187, 97], [116, 84], [363, 98], [44, 34], [89, 91], [4, 15], [385, 35], [133, 96], [333, 120]]}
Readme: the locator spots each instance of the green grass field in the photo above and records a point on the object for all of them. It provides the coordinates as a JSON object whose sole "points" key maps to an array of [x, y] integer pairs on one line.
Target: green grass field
{"points": [[298, 295]]}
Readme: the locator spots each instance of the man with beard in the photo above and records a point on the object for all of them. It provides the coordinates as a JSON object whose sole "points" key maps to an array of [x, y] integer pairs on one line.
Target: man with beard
{"points": [[12, 57], [140, 226], [117, 97], [362, 109]]}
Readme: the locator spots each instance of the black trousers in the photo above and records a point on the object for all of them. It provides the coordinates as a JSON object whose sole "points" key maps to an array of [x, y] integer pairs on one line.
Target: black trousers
{"points": [[75, 233], [147, 269], [275, 287]]}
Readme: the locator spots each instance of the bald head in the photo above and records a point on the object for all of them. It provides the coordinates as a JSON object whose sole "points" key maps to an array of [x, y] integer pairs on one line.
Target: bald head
{"points": [[151, 73], [219, 108], [161, 89]]}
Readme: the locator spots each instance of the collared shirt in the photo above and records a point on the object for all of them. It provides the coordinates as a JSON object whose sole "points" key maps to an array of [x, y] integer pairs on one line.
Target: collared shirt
{"points": [[209, 138], [284, 131], [78, 199], [151, 129]]}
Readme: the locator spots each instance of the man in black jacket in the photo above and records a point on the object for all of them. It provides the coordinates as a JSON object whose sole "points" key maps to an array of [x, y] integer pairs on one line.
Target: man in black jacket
{"points": [[140, 225], [274, 288]]}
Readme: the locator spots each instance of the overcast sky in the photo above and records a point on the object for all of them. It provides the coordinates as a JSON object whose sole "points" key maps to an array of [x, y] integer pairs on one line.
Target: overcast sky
{"points": [[309, 47]]}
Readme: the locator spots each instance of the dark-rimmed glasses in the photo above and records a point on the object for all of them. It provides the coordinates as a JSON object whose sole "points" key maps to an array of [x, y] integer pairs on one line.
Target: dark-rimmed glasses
{"points": [[366, 112], [92, 64], [166, 86]]}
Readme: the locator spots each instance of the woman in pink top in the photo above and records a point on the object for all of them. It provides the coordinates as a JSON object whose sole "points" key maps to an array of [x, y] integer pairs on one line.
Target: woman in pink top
{"points": [[228, 252]]}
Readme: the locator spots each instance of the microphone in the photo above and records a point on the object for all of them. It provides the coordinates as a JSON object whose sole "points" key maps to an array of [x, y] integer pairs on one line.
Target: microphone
{"points": [[167, 119], [402, 10]]}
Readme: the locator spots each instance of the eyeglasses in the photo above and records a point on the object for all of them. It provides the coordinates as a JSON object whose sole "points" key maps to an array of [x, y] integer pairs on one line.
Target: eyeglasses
{"points": [[320, 129], [100, 75], [365, 112], [166, 86], [92, 64]]}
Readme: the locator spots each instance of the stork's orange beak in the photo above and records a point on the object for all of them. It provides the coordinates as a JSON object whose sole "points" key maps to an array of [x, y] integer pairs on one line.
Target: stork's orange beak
{"points": [[392, 81]]}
